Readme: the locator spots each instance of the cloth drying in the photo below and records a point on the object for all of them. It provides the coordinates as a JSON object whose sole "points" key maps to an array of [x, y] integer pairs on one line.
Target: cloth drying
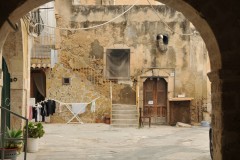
{"points": [[78, 108]]}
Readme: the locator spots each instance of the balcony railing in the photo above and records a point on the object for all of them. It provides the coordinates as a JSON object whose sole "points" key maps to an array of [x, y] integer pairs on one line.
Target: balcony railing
{"points": [[42, 46]]}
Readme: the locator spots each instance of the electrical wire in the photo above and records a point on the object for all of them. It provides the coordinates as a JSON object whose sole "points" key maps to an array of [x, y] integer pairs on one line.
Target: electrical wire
{"points": [[92, 27], [189, 34], [96, 26]]}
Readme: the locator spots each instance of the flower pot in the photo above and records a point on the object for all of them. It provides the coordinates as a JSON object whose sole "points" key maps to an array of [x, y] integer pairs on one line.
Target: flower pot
{"points": [[9, 154], [32, 145], [98, 120], [107, 120]]}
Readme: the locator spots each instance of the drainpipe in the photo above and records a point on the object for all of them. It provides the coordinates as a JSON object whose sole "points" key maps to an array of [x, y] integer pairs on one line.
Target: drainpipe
{"points": [[137, 103], [174, 82], [111, 101]]}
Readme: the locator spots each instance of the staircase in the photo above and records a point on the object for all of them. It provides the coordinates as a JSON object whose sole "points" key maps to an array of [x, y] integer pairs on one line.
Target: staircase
{"points": [[124, 116]]}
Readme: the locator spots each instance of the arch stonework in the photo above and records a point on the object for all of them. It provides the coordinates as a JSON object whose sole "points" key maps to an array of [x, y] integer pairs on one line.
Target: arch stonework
{"points": [[218, 23]]}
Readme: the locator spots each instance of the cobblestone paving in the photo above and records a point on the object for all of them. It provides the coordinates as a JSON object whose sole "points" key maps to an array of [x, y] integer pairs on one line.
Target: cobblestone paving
{"points": [[102, 142]]}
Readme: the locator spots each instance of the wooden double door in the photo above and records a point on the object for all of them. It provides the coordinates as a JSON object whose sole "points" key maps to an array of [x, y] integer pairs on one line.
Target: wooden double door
{"points": [[155, 100]]}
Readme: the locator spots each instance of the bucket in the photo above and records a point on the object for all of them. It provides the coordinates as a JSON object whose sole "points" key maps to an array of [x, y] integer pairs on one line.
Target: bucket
{"points": [[205, 124]]}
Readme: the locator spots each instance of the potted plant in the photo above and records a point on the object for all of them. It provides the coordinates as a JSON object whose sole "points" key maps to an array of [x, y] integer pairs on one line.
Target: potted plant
{"points": [[12, 147], [35, 131]]}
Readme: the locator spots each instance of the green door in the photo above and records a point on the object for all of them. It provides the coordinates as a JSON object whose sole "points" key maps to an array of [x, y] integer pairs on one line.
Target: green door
{"points": [[6, 92]]}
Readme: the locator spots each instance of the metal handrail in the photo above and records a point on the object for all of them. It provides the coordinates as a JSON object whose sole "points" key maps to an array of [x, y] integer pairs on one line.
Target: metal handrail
{"points": [[3, 132]]}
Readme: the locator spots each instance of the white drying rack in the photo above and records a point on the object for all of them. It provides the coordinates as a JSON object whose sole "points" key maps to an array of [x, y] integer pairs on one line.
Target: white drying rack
{"points": [[77, 108]]}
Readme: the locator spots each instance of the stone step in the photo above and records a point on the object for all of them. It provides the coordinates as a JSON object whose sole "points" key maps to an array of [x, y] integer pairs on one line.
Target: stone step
{"points": [[125, 125], [124, 121], [124, 112], [123, 104], [124, 116], [124, 107]]}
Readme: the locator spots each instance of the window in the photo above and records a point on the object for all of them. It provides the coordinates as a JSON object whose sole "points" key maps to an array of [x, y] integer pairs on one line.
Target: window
{"points": [[66, 81], [118, 63], [36, 18]]}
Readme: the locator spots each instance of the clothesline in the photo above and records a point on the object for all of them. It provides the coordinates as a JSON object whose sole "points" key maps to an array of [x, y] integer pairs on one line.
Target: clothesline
{"points": [[37, 104], [74, 108], [70, 102], [77, 105], [77, 108], [42, 109]]}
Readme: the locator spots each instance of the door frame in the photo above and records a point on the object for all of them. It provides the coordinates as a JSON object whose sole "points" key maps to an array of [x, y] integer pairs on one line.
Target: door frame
{"points": [[167, 73], [155, 98]]}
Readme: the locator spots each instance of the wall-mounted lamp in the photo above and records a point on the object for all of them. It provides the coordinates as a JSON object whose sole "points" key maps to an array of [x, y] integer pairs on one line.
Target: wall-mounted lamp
{"points": [[162, 42], [13, 79]]}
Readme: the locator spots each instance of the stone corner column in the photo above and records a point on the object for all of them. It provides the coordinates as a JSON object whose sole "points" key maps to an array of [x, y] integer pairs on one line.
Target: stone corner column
{"points": [[225, 88]]}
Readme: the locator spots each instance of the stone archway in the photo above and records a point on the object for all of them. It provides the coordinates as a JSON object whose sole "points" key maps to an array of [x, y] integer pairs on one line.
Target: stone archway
{"points": [[221, 34]]}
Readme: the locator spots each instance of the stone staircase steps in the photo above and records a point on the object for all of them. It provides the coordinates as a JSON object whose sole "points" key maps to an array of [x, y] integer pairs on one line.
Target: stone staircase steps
{"points": [[124, 112], [125, 107], [124, 116], [124, 121]]}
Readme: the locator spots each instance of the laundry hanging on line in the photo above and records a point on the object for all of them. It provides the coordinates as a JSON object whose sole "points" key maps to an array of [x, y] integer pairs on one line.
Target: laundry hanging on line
{"points": [[43, 109], [78, 106]]}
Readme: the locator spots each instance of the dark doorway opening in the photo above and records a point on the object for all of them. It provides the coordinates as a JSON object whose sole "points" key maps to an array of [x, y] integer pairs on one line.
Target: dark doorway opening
{"points": [[38, 85]]}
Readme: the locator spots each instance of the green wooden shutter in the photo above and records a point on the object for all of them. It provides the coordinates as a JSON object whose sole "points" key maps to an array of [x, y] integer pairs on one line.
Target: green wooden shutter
{"points": [[6, 92]]}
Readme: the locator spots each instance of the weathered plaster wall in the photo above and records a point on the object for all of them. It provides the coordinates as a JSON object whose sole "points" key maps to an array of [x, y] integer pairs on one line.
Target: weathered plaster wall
{"points": [[16, 53], [79, 90], [186, 56], [115, 2], [200, 63]]}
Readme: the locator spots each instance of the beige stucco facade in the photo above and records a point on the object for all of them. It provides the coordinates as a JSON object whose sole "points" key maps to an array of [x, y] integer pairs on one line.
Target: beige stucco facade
{"points": [[82, 53], [114, 2], [82, 57], [220, 32]]}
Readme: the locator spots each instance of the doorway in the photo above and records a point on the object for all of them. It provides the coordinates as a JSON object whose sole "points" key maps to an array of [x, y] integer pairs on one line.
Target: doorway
{"points": [[38, 85], [155, 99]]}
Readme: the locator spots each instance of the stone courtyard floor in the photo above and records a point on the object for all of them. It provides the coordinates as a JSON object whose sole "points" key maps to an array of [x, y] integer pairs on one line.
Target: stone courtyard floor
{"points": [[102, 142]]}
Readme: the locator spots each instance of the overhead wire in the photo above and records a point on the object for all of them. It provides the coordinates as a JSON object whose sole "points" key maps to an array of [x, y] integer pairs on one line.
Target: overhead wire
{"points": [[96, 26], [92, 27], [182, 34]]}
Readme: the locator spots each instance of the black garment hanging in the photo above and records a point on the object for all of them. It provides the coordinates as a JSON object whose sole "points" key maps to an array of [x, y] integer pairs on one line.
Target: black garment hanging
{"points": [[43, 111], [35, 113], [51, 107]]}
